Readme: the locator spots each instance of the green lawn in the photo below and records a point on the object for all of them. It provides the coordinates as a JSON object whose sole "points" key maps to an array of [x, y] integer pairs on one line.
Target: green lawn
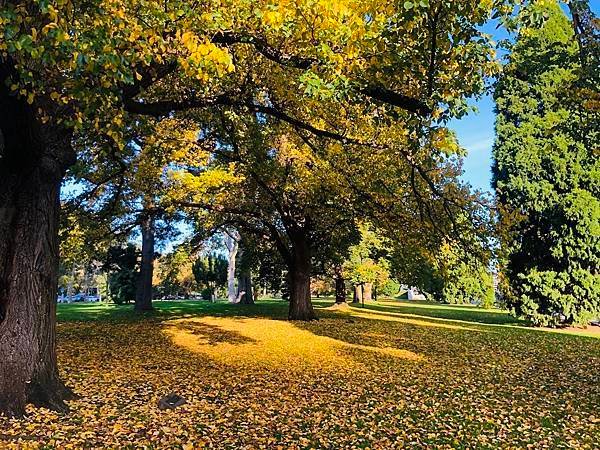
{"points": [[276, 308], [391, 375], [72, 312]]}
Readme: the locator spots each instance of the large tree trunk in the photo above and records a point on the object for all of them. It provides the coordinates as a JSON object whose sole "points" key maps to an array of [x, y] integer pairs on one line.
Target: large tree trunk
{"points": [[32, 163], [245, 289], [358, 294], [368, 292], [232, 243], [299, 279], [340, 285], [143, 295]]}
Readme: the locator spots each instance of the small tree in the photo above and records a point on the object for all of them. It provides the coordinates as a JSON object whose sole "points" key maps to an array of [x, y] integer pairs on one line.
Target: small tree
{"points": [[367, 267], [175, 272], [466, 280], [122, 267], [210, 272]]}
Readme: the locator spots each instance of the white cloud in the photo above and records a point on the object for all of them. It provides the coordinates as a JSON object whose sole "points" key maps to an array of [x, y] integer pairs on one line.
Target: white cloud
{"points": [[480, 145]]}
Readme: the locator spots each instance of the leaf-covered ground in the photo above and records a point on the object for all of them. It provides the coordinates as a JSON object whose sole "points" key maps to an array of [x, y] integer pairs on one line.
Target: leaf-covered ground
{"points": [[390, 376]]}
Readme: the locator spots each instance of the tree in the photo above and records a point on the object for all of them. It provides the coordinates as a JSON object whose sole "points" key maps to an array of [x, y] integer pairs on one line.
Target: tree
{"points": [[416, 266], [232, 239], [122, 267], [546, 174], [175, 274], [246, 290], [367, 267], [81, 253], [466, 279], [72, 67], [211, 273], [122, 188], [340, 284]]}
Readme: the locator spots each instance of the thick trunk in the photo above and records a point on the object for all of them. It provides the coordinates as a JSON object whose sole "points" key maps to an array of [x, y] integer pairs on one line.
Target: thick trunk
{"points": [[340, 286], [358, 294], [368, 292], [143, 295], [32, 162], [245, 289], [232, 244], [299, 279]]}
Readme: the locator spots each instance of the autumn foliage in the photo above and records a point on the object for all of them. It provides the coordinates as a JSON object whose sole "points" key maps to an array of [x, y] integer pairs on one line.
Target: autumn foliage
{"points": [[389, 376]]}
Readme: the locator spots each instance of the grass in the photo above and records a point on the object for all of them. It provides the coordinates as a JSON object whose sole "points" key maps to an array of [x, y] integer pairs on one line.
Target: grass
{"points": [[73, 312], [276, 308], [391, 375]]}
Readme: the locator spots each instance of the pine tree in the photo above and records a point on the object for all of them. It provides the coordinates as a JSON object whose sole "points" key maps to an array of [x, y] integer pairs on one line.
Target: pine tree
{"points": [[547, 175]]}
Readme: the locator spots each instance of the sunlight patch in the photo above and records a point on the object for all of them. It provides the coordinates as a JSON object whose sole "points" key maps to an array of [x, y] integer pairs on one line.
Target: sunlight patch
{"points": [[399, 317], [273, 343]]}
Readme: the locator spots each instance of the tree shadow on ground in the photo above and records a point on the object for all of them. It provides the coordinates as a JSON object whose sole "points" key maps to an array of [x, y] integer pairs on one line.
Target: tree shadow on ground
{"points": [[449, 312], [165, 310], [210, 334]]}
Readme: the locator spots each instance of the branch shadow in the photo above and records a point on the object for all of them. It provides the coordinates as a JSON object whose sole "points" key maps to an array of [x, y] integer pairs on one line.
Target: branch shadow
{"points": [[211, 334]]}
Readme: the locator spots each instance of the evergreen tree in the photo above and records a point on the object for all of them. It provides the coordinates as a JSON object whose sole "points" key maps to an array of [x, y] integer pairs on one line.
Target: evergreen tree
{"points": [[546, 174]]}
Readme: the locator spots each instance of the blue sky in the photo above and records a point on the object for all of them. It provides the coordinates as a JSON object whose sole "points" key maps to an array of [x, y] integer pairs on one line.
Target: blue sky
{"points": [[475, 131], [476, 134]]}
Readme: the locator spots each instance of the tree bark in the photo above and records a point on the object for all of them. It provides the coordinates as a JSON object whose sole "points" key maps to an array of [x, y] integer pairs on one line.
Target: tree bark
{"points": [[143, 295], [245, 289], [232, 244], [357, 298], [368, 292], [33, 158], [340, 285], [300, 268]]}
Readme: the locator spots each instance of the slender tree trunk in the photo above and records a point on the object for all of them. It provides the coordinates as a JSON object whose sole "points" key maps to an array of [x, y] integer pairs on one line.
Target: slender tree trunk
{"points": [[33, 158], [340, 285], [143, 295], [232, 244], [357, 298], [368, 292], [299, 278], [70, 284]]}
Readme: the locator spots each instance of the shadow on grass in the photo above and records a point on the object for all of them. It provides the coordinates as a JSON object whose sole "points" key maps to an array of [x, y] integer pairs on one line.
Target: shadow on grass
{"points": [[449, 312], [424, 314], [212, 334], [85, 312]]}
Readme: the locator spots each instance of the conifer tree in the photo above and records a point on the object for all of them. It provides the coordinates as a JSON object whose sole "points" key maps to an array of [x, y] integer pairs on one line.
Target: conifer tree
{"points": [[546, 174]]}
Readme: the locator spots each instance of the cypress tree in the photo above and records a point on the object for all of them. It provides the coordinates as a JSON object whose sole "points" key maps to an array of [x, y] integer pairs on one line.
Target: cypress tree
{"points": [[546, 174]]}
